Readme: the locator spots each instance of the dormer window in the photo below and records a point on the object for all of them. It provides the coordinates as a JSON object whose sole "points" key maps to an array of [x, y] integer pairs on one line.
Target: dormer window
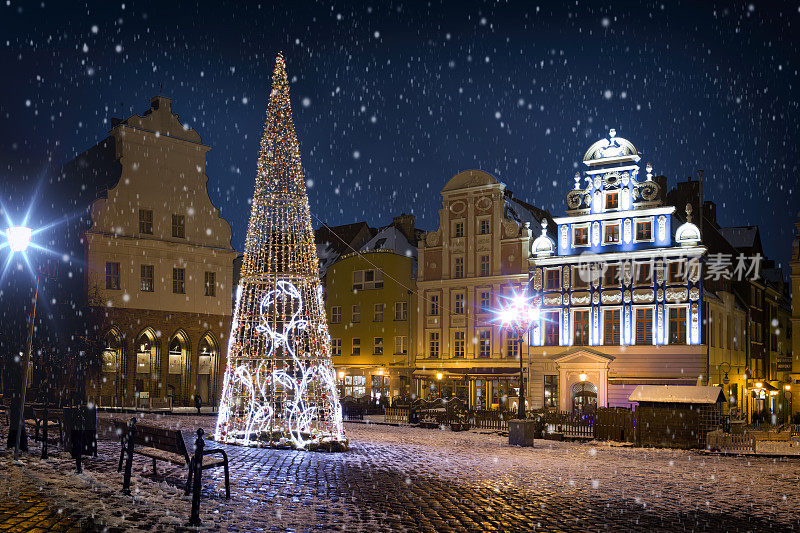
{"points": [[612, 200], [611, 233]]}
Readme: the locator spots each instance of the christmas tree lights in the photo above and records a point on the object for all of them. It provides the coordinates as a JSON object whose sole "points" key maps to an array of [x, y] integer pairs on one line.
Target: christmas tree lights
{"points": [[279, 387]]}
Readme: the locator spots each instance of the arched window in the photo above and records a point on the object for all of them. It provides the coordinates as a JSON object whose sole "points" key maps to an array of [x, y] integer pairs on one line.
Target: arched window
{"points": [[148, 363], [113, 370], [178, 373], [207, 367]]}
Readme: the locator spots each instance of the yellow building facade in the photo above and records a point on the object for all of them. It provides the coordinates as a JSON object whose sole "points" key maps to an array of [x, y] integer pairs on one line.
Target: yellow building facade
{"points": [[369, 297]]}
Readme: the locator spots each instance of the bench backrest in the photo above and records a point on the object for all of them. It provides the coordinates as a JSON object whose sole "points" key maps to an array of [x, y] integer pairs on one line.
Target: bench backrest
{"points": [[168, 440]]}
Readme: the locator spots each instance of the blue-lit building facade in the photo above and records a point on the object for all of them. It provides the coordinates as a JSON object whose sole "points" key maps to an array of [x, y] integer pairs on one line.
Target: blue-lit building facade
{"points": [[619, 288]]}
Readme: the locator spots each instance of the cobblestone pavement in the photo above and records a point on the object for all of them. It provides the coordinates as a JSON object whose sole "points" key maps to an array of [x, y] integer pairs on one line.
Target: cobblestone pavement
{"points": [[428, 480]]}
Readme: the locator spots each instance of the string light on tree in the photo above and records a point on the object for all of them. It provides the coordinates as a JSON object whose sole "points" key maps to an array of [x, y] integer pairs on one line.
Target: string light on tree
{"points": [[280, 386]]}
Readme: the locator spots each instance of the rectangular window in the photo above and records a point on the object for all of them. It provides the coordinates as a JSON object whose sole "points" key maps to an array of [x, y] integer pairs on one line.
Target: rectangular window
{"points": [[644, 326], [355, 386], [459, 304], [611, 276], [485, 301], [179, 280], [551, 329], [336, 314], [378, 344], [459, 230], [367, 279], [146, 275], [433, 345], [551, 390], [146, 221], [580, 277], [210, 284], [356, 346], [356, 314], [580, 328], [643, 273], [378, 313], [336, 346], [459, 344], [644, 230], [179, 226], [513, 342], [677, 325], [485, 344], [612, 200], [676, 272], [611, 234], [401, 310], [552, 279], [580, 236], [484, 227], [112, 276], [611, 327], [401, 345], [484, 264], [459, 267], [434, 301]]}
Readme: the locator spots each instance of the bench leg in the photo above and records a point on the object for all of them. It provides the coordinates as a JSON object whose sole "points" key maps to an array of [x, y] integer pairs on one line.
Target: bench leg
{"points": [[121, 456], [155, 471], [189, 481], [227, 483]]}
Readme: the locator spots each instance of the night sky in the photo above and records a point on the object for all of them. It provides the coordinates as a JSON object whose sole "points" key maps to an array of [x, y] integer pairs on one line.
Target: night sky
{"points": [[392, 99]]}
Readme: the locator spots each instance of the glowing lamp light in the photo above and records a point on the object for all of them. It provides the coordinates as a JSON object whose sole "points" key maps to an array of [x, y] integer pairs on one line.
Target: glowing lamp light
{"points": [[583, 377], [759, 384], [380, 372], [341, 374], [439, 376], [787, 387], [19, 237]]}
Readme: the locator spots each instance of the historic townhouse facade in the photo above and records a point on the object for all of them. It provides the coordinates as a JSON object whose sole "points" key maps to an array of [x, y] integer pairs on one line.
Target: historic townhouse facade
{"points": [[478, 253], [159, 263], [619, 290]]}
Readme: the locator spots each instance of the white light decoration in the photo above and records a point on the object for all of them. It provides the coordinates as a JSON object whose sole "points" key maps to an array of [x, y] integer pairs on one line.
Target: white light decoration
{"points": [[280, 384], [18, 237]]}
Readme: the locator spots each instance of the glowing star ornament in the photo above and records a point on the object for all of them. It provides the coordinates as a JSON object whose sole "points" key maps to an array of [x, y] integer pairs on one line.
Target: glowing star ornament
{"points": [[280, 385]]}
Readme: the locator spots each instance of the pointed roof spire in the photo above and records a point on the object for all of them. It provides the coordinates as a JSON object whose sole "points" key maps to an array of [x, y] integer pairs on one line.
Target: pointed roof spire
{"points": [[279, 167]]}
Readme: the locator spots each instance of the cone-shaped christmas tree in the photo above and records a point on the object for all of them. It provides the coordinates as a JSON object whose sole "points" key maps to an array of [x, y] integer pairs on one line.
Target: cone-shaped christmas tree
{"points": [[280, 387]]}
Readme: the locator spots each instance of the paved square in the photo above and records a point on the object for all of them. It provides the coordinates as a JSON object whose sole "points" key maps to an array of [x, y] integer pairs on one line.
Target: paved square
{"points": [[400, 478]]}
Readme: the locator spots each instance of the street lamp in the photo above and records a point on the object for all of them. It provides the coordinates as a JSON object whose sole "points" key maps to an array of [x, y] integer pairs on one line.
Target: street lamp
{"points": [[19, 238], [519, 315], [787, 395]]}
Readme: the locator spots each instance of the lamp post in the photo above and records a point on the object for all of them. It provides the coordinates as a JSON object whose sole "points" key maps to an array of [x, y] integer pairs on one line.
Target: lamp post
{"points": [[787, 395], [518, 316], [19, 237]]}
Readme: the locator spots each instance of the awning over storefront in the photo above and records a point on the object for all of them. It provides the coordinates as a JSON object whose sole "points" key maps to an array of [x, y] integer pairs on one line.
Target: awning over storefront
{"points": [[677, 394], [467, 373]]}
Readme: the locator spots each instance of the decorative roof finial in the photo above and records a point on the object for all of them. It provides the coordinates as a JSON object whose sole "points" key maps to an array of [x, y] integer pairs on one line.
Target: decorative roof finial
{"points": [[544, 228], [649, 172], [612, 133], [577, 180], [688, 212]]}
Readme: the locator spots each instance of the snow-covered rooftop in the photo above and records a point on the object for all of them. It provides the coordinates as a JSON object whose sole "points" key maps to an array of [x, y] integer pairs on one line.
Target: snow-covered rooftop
{"points": [[677, 394]]}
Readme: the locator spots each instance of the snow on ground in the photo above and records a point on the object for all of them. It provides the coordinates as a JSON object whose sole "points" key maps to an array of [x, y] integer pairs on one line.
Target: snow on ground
{"points": [[283, 489]]}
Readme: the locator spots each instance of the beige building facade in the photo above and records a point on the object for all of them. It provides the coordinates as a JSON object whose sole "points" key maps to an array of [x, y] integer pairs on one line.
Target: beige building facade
{"points": [[160, 263], [477, 256]]}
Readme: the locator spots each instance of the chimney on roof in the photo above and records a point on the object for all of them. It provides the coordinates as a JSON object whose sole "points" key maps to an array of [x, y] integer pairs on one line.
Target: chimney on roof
{"points": [[405, 223], [161, 102]]}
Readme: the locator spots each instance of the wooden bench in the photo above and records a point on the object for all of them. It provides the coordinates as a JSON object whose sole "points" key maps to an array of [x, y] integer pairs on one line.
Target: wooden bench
{"points": [[161, 444], [34, 418]]}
